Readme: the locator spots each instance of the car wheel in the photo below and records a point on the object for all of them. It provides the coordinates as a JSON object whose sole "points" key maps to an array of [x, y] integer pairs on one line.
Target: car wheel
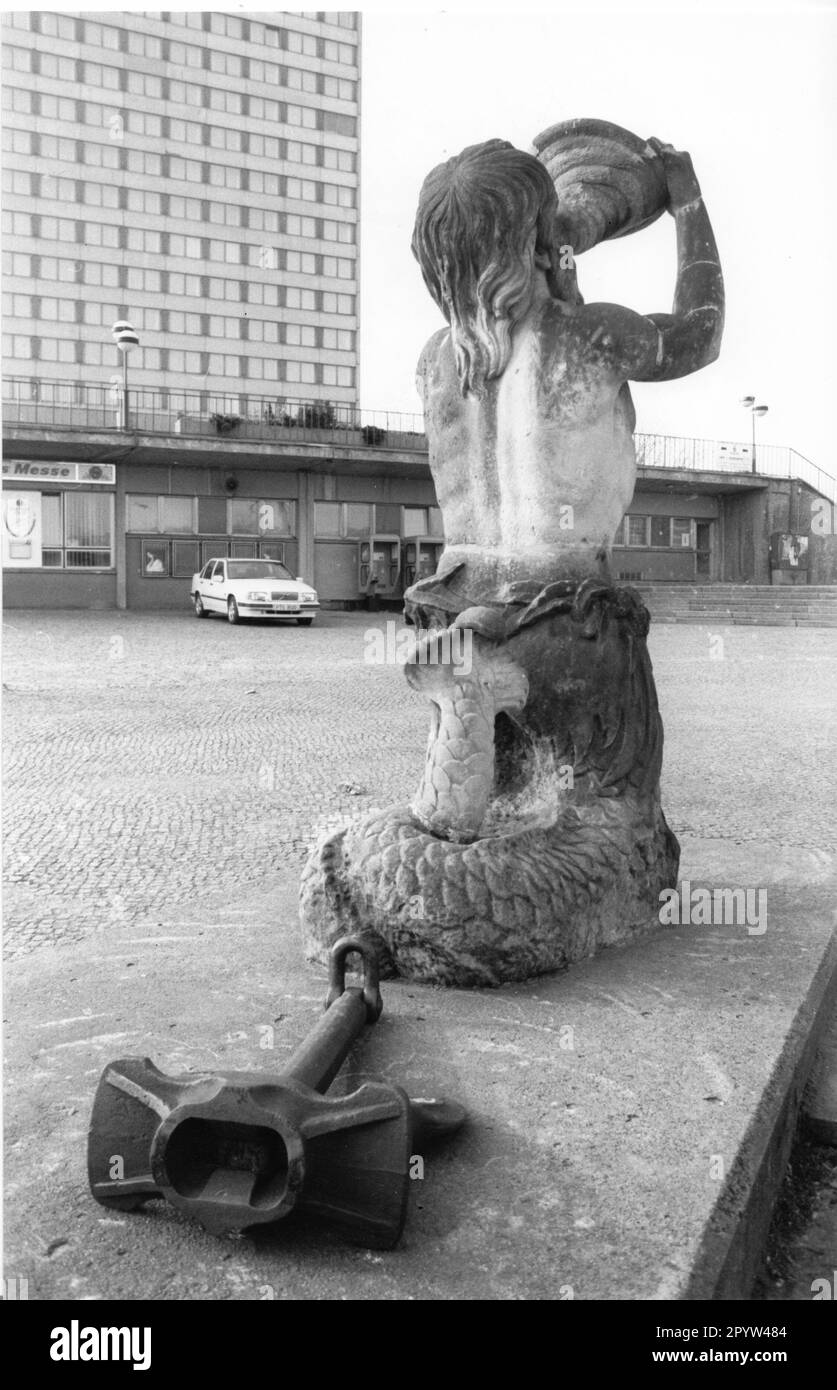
{"points": [[232, 610], [200, 611], [305, 622]]}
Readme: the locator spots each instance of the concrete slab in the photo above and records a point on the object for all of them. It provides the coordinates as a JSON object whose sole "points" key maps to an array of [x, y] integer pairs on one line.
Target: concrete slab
{"points": [[626, 1117]]}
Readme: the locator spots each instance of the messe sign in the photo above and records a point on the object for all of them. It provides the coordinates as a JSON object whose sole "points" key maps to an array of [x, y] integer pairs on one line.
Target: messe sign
{"points": [[24, 470]]}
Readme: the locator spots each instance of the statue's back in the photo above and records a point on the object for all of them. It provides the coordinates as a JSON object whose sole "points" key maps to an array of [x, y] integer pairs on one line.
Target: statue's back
{"points": [[542, 464]]}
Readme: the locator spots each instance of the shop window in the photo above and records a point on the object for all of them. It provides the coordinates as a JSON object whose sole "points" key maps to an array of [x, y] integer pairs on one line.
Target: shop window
{"points": [[140, 513], [261, 516], [327, 519], [681, 532], [155, 561], [661, 531], [210, 550], [185, 559], [162, 514], [636, 530], [52, 536], [88, 530], [414, 521], [435, 521], [358, 519], [272, 550], [178, 514]]}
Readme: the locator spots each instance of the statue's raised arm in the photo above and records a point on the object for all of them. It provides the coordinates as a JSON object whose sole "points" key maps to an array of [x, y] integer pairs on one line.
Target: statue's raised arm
{"points": [[661, 347]]}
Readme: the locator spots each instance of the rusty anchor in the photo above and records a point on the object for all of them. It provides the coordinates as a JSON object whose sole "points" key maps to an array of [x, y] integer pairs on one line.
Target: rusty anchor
{"points": [[238, 1149]]}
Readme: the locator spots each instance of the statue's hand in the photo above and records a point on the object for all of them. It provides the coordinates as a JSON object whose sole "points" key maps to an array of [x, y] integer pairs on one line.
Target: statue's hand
{"points": [[682, 183]]}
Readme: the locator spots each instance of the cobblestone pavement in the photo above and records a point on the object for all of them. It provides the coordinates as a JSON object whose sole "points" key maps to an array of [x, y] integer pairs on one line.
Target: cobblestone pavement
{"points": [[153, 762]]}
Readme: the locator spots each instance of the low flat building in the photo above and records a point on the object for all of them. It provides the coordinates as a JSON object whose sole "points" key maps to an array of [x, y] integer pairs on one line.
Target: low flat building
{"points": [[98, 516]]}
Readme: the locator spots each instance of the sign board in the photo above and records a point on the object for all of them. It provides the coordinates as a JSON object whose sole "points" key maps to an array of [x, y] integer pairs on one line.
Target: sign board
{"points": [[734, 456], [21, 512], [25, 470]]}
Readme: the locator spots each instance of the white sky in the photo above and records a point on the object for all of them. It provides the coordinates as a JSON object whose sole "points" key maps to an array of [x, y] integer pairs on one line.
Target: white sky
{"points": [[750, 95]]}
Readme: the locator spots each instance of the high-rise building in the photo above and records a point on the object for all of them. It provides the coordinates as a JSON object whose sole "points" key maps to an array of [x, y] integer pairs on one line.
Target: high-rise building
{"points": [[196, 174]]}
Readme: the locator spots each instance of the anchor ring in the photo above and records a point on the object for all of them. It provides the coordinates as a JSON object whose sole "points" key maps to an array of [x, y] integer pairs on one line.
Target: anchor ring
{"points": [[346, 946]]}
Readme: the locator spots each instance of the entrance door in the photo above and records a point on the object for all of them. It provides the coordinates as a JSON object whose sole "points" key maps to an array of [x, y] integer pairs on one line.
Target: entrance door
{"points": [[703, 548]]}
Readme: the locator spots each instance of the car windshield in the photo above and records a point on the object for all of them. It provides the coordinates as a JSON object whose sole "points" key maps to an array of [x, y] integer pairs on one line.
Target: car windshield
{"points": [[257, 569]]}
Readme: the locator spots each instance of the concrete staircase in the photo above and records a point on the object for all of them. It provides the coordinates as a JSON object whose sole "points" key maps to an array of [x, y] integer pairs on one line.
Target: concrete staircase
{"points": [[792, 605]]}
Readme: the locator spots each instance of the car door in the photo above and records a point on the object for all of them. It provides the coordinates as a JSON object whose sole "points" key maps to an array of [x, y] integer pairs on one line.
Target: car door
{"points": [[203, 580], [215, 595]]}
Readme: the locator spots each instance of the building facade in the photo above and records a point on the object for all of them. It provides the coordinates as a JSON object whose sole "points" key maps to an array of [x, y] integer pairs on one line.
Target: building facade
{"points": [[196, 174], [94, 516]]}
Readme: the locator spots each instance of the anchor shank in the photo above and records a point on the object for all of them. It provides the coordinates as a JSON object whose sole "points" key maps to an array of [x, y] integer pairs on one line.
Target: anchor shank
{"points": [[319, 1057]]}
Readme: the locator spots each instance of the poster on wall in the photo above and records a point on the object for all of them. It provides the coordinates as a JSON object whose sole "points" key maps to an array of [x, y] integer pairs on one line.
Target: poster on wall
{"points": [[21, 530]]}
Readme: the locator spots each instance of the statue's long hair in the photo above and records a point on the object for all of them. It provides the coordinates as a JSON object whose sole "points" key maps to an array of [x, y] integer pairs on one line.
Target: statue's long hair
{"points": [[482, 218]]}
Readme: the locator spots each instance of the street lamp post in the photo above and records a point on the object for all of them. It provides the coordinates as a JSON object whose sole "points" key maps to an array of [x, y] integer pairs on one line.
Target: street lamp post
{"points": [[126, 337], [749, 403]]}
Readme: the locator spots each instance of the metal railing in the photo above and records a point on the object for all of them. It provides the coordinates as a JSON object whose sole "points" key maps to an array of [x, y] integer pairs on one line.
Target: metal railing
{"points": [[233, 416], [242, 418], [724, 456]]}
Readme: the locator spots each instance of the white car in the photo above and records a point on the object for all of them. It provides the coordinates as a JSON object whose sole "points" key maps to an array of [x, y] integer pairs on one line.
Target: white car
{"points": [[252, 589]]}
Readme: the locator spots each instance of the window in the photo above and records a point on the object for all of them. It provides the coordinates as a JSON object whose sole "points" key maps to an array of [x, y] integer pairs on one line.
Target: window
{"points": [[636, 530], [337, 124], [77, 530], [681, 532], [340, 87], [304, 116], [185, 559], [265, 516], [184, 209], [264, 110], [184, 55], [263, 183], [328, 518], [162, 514], [228, 63], [144, 84], [339, 159], [661, 531], [341, 339], [155, 559], [358, 519], [52, 531], [145, 45], [186, 94], [302, 43], [414, 521], [295, 298], [185, 132], [224, 176], [300, 335], [343, 519]]}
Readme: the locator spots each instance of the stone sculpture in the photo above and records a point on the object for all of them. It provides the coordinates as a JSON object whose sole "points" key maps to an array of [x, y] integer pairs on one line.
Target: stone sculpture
{"points": [[536, 835]]}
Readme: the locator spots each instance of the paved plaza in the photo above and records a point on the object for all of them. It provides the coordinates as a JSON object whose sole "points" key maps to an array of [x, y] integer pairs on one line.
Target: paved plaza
{"points": [[156, 763], [163, 779]]}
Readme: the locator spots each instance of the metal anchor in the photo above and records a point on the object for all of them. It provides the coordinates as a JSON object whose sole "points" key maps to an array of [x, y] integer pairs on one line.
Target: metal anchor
{"points": [[238, 1149]]}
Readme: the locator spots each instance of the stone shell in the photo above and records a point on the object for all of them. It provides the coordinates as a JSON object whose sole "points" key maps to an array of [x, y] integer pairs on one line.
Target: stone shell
{"points": [[609, 182]]}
